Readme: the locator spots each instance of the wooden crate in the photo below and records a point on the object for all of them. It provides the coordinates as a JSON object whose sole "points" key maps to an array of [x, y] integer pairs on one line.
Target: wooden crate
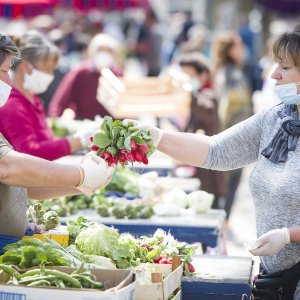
{"points": [[159, 97], [161, 288]]}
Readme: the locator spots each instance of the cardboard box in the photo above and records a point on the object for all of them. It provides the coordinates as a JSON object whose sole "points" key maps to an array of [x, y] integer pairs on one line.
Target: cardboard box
{"points": [[160, 290], [177, 295], [120, 286], [60, 235]]}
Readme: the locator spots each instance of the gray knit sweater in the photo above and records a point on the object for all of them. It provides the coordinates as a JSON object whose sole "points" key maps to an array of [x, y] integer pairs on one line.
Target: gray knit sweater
{"points": [[275, 188]]}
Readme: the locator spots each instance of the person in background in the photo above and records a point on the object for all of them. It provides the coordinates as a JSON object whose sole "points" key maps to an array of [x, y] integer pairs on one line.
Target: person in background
{"points": [[22, 175], [78, 89], [270, 139], [22, 120], [234, 92], [204, 116], [148, 44], [61, 69]]}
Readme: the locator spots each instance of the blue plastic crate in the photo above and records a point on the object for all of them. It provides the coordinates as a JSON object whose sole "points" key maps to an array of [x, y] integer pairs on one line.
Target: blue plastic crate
{"points": [[5, 240]]}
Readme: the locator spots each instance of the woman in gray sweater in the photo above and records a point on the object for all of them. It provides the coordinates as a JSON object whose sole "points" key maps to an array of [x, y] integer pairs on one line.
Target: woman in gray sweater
{"points": [[270, 139]]}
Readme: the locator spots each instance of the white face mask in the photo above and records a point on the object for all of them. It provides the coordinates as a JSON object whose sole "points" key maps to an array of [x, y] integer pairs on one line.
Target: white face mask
{"points": [[5, 90], [37, 82], [103, 59], [287, 93]]}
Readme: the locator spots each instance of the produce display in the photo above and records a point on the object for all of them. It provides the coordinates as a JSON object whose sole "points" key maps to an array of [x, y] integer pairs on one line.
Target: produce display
{"points": [[119, 143], [98, 245], [80, 278], [126, 251]]}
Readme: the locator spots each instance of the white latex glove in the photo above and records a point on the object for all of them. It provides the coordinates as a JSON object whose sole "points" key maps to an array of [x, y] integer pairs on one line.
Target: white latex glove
{"points": [[96, 173], [156, 133], [85, 134], [271, 242]]}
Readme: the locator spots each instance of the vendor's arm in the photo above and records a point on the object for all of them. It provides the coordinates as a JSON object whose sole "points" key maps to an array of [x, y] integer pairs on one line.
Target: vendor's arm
{"points": [[27, 171], [50, 193], [231, 149]]}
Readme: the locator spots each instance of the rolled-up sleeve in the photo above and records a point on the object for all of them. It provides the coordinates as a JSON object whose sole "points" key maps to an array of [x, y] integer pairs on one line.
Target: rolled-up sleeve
{"points": [[237, 146]]}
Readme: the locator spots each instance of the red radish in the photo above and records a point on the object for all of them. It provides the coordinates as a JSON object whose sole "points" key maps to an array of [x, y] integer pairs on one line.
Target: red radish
{"points": [[156, 261], [133, 145], [95, 148], [112, 161], [143, 148], [169, 260], [122, 158], [106, 155], [92, 139], [137, 156], [164, 261], [144, 159], [130, 157], [191, 268]]}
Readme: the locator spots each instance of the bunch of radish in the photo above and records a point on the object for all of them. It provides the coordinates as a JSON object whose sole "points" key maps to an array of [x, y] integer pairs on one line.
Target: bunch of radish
{"points": [[119, 143]]}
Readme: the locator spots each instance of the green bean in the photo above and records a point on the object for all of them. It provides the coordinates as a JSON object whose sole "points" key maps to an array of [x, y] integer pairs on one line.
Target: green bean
{"points": [[65, 277], [80, 270], [59, 283], [25, 281], [41, 282], [92, 283], [9, 270], [31, 273]]}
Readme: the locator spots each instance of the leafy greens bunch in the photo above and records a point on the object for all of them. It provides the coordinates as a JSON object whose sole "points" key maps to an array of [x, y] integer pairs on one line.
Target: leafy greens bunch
{"points": [[119, 143]]}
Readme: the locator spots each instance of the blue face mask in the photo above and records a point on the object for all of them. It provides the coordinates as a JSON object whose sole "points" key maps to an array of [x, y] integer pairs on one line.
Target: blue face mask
{"points": [[287, 93], [196, 84]]}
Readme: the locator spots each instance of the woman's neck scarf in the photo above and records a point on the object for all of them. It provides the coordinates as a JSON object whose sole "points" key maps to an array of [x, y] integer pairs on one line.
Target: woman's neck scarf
{"points": [[286, 138]]}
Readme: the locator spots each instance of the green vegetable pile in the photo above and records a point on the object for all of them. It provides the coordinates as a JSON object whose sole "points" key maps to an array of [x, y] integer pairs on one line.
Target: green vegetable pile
{"points": [[32, 252], [121, 211], [36, 214], [50, 277], [124, 249]]}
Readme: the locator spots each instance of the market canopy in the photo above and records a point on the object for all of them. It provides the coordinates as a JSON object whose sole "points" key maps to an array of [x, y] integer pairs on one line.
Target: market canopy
{"points": [[30, 8], [26, 8], [104, 4]]}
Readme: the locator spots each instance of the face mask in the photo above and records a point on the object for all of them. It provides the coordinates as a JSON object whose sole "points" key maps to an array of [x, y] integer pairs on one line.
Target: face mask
{"points": [[103, 60], [5, 90], [196, 84], [37, 82], [287, 93]]}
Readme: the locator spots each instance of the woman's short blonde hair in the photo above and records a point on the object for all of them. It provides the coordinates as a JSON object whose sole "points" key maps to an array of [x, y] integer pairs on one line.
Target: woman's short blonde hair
{"points": [[287, 47]]}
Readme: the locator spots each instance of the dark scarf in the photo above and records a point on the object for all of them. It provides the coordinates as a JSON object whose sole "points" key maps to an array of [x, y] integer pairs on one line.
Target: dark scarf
{"points": [[286, 138]]}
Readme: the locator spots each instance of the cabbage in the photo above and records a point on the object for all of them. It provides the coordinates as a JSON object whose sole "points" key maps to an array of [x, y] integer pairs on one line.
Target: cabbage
{"points": [[200, 201], [100, 261], [99, 239], [175, 196]]}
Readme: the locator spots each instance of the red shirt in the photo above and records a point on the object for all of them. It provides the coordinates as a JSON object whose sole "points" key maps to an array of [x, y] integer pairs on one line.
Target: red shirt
{"points": [[78, 91], [24, 125]]}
